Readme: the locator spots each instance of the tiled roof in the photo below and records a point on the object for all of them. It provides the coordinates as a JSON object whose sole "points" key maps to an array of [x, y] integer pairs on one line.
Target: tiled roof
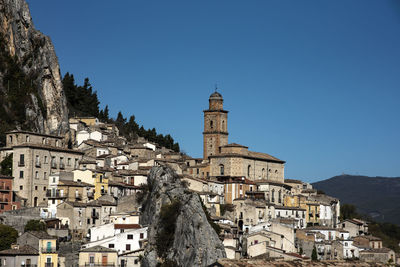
{"points": [[22, 250], [127, 226], [42, 235], [98, 249]]}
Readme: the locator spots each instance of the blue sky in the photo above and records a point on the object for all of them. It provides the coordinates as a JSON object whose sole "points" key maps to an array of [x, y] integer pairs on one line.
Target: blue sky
{"points": [[315, 83]]}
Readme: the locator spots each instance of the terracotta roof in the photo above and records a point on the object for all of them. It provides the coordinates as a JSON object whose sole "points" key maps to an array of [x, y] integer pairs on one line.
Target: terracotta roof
{"points": [[249, 154], [6, 177], [98, 249], [293, 181], [99, 202], [22, 250], [73, 183], [127, 226]]}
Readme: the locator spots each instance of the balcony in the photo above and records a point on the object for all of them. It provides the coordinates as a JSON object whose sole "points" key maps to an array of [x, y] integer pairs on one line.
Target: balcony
{"points": [[4, 187], [56, 194], [100, 264], [49, 264], [54, 165], [21, 163], [38, 164], [49, 250], [95, 215], [62, 165]]}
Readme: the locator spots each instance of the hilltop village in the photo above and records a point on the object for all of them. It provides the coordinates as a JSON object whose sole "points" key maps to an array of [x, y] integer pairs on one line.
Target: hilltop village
{"points": [[84, 189]]}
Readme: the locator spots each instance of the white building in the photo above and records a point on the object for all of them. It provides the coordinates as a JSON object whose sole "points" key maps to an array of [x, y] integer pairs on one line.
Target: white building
{"points": [[124, 240]]}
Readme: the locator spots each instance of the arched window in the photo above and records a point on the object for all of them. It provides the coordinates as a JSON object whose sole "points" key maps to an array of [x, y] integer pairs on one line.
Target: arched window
{"points": [[248, 170], [221, 169], [223, 125], [279, 196], [263, 173], [211, 124]]}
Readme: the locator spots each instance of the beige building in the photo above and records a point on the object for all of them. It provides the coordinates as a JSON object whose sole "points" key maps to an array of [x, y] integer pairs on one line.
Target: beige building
{"points": [[35, 157], [98, 256]]}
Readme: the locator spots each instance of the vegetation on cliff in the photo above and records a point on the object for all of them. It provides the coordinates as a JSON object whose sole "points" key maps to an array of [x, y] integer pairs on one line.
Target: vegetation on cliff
{"points": [[16, 90], [82, 100]]}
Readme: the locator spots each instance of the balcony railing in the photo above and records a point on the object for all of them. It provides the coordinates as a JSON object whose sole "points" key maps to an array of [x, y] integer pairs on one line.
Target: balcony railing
{"points": [[38, 164], [49, 264], [56, 194], [49, 250], [4, 188], [100, 264], [54, 165]]}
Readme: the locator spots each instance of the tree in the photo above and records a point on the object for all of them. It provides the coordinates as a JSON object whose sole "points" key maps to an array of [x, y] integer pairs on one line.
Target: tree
{"points": [[314, 256], [35, 225], [8, 235], [348, 211], [6, 165]]}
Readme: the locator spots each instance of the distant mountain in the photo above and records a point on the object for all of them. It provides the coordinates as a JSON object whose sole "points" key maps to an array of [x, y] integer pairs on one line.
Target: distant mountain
{"points": [[378, 197]]}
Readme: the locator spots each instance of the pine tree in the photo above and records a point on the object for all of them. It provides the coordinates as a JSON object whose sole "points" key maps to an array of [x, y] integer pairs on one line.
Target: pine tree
{"points": [[314, 256]]}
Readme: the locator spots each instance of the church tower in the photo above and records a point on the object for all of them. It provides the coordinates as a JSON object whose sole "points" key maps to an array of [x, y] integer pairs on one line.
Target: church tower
{"points": [[215, 126]]}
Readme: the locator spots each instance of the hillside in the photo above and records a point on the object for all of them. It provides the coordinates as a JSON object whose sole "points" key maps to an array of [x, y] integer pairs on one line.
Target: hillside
{"points": [[377, 197]]}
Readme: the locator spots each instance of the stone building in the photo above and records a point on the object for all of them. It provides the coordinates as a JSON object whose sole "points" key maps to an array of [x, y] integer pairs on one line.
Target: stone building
{"points": [[35, 157], [19, 256]]}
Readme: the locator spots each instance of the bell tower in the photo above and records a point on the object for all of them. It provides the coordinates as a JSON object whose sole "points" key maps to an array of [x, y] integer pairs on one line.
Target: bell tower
{"points": [[215, 126]]}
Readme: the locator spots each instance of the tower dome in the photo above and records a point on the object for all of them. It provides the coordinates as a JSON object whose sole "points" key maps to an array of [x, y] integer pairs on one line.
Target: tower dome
{"points": [[216, 96]]}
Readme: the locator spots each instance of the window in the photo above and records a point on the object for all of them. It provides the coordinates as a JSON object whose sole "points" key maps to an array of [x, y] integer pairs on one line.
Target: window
{"points": [[44, 188], [130, 237], [248, 171], [27, 138], [91, 259], [10, 139], [45, 175], [197, 171], [21, 174], [128, 247], [69, 162], [43, 141], [36, 175], [21, 187], [36, 187], [221, 169], [21, 160], [141, 235], [279, 196], [273, 195], [211, 124], [46, 160], [53, 201], [110, 245]]}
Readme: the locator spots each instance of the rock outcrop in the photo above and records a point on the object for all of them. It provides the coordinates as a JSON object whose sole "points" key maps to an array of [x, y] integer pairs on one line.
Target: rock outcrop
{"points": [[194, 242], [46, 107]]}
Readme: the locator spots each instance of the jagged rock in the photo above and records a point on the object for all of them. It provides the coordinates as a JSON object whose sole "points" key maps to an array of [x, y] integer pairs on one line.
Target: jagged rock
{"points": [[35, 54], [195, 242]]}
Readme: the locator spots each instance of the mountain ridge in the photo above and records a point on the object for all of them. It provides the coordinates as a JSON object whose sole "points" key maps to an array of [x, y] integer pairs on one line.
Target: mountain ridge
{"points": [[377, 197]]}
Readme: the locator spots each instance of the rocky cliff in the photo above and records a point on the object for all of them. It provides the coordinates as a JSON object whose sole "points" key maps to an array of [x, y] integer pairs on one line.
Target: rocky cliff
{"points": [[30, 79], [179, 233]]}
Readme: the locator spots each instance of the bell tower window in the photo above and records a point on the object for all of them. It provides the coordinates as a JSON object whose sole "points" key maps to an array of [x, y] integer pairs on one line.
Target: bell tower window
{"points": [[211, 124]]}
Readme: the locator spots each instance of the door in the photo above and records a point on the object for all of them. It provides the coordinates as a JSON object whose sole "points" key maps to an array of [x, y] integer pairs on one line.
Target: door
{"points": [[104, 260], [48, 246]]}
